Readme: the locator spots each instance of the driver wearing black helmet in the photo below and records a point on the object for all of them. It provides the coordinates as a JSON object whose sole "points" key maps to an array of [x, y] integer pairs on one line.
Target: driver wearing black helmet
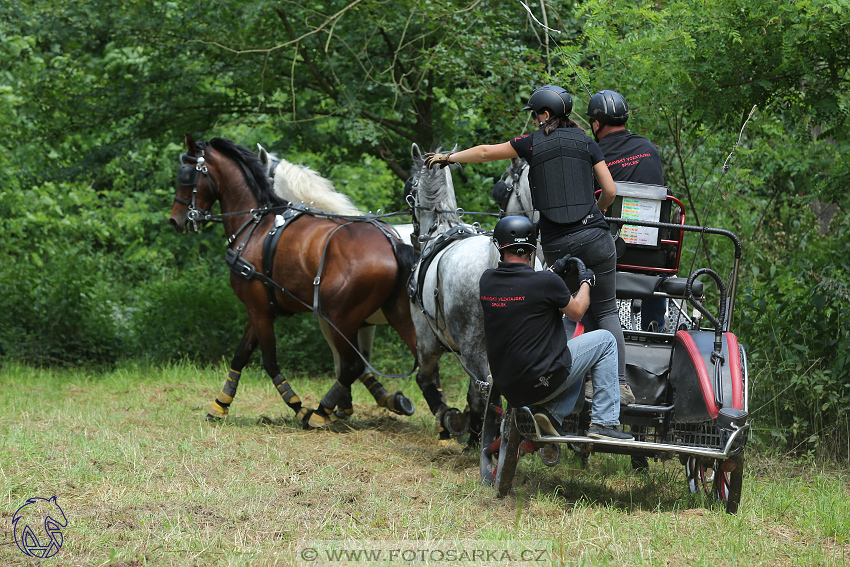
{"points": [[563, 162], [531, 360]]}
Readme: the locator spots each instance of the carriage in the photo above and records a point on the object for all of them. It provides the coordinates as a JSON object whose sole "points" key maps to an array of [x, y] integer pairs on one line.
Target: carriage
{"points": [[689, 375]]}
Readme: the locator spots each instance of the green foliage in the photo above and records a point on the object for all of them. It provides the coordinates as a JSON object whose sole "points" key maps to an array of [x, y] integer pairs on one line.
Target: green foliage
{"points": [[95, 98]]}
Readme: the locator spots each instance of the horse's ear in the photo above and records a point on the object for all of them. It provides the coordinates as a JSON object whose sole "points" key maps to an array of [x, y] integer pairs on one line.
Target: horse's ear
{"points": [[191, 147], [264, 155], [514, 162], [415, 152]]}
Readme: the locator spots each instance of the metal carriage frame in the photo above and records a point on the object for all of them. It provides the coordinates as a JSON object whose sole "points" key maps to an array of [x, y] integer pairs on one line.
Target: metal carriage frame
{"points": [[684, 411]]}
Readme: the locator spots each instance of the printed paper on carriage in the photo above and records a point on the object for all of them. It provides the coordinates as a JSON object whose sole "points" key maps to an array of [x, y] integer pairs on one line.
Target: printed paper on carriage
{"points": [[643, 210]]}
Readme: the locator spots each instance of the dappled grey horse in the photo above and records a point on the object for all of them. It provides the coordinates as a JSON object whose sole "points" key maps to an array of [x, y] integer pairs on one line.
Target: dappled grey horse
{"points": [[445, 300], [513, 191]]}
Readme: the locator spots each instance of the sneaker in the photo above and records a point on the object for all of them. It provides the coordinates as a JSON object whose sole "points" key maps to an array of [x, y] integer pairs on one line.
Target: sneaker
{"points": [[627, 397], [548, 424], [606, 432]]}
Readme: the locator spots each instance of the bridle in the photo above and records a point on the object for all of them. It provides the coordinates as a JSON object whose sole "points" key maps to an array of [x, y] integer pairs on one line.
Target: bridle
{"points": [[515, 173], [188, 175]]}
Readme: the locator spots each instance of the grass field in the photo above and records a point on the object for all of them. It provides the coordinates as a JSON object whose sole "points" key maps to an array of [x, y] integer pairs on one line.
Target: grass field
{"points": [[144, 480]]}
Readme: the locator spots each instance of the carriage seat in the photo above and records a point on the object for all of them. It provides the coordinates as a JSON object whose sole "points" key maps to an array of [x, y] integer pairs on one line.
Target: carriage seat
{"points": [[643, 286]]}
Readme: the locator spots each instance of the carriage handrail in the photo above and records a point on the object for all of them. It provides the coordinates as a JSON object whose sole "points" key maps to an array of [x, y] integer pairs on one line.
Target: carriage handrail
{"points": [[684, 227], [733, 278]]}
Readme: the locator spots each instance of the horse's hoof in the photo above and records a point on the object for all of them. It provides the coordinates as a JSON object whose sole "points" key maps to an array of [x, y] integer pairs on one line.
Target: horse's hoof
{"points": [[216, 411], [452, 420], [317, 420], [400, 404], [213, 419], [344, 413]]}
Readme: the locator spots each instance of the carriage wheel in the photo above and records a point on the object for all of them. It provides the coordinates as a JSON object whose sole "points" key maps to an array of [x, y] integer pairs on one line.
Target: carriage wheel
{"points": [[709, 478], [508, 454], [491, 439]]}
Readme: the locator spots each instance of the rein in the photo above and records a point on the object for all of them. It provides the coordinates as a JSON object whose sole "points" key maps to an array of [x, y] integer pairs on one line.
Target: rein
{"points": [[189, 174]]}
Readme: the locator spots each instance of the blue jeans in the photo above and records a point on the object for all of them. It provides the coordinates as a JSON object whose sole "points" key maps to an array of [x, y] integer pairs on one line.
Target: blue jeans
{"points": [[597, 352], [595, 247]]}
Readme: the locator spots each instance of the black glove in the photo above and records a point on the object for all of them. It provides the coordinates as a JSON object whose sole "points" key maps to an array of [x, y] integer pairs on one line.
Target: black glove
{"points": [[587, 276], [432, 159], [563, 266]]}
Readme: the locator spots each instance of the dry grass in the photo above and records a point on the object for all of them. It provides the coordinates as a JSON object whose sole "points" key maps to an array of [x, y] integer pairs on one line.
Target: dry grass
{"points": [[144, 480]]}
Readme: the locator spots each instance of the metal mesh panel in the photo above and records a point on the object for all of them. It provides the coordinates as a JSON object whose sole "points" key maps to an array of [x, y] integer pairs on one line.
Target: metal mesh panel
{"points": [[628, 320], [705, 434], [525, 424]]}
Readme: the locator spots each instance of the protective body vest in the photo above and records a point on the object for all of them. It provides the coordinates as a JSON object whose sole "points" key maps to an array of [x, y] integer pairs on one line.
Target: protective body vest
{"points": [[561, 175]]}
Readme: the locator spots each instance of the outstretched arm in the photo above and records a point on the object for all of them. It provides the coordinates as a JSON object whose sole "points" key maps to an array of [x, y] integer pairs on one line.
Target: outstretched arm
{"points": [[609, 190], [478, 154]]}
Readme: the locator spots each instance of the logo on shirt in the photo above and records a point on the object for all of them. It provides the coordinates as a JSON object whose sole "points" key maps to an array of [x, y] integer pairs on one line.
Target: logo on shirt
{"points": [[501, 301], [543, 381]]}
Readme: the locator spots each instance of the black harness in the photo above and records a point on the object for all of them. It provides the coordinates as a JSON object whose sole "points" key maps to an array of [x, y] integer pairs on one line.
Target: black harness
{"points": [[188, 175]]}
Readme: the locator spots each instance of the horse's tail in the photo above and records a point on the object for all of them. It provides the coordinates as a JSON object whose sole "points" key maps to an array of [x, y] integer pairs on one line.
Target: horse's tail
{"points": [[406, 257]]}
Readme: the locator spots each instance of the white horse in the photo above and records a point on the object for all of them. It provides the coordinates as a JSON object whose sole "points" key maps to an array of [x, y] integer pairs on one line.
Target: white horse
{"points": [[300, 184], [446, 309]]}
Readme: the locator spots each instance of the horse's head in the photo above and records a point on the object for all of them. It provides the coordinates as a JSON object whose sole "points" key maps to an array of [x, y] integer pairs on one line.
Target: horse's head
{"points": [[219, 170], [513, 191], [195, 193], [430, 194]]}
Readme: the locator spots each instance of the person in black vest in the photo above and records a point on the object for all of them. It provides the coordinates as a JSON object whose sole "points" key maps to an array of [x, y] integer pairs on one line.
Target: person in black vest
{"points": [[563, 162], [531, 360], [629, 158]]}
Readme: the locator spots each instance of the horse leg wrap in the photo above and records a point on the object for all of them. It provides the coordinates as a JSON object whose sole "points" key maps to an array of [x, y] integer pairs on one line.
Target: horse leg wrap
{"points": [[221, 405], [345, 407], [434, 398], [287, 393], [451, 421], [337, 393], [396, 403], [217, 410]]}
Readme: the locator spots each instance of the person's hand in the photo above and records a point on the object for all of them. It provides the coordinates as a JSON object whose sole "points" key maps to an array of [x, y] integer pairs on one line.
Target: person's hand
{"points": [[432, 159], [563, 266], [588, 276]]}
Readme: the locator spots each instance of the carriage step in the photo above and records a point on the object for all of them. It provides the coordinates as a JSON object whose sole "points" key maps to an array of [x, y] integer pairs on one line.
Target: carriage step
{"points": [[640, 408]]}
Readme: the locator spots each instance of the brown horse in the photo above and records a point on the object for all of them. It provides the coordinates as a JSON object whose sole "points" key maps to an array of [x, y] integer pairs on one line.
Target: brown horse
{"points": [[348, 271]]}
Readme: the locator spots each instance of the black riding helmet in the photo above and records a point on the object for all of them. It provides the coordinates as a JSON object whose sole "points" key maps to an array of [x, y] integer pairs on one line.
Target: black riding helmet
{"points": [[609, 107], [515, 231], [552, 98]]}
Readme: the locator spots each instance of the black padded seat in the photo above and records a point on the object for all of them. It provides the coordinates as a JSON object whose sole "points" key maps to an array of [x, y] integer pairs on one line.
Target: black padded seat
{"points": [[636, 286], [676, 287]]}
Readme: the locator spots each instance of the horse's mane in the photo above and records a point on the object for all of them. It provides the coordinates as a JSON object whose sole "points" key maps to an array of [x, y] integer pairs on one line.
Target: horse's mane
{"points": [[252, 169], [436, 192], [299, 183]]}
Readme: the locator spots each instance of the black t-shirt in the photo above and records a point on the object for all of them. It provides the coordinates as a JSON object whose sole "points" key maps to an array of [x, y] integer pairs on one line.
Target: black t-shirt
{"points": [[631, 158], [550, 230], [524, 330]]}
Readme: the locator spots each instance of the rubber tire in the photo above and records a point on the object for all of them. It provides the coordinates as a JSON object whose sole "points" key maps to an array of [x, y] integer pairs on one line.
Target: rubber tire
{"points": [[490, 433], [724, 488], [508, 454], [734, 485]]}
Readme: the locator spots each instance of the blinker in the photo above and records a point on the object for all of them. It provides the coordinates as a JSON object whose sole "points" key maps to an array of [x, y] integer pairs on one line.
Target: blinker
{"points": [[187, 175]]}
